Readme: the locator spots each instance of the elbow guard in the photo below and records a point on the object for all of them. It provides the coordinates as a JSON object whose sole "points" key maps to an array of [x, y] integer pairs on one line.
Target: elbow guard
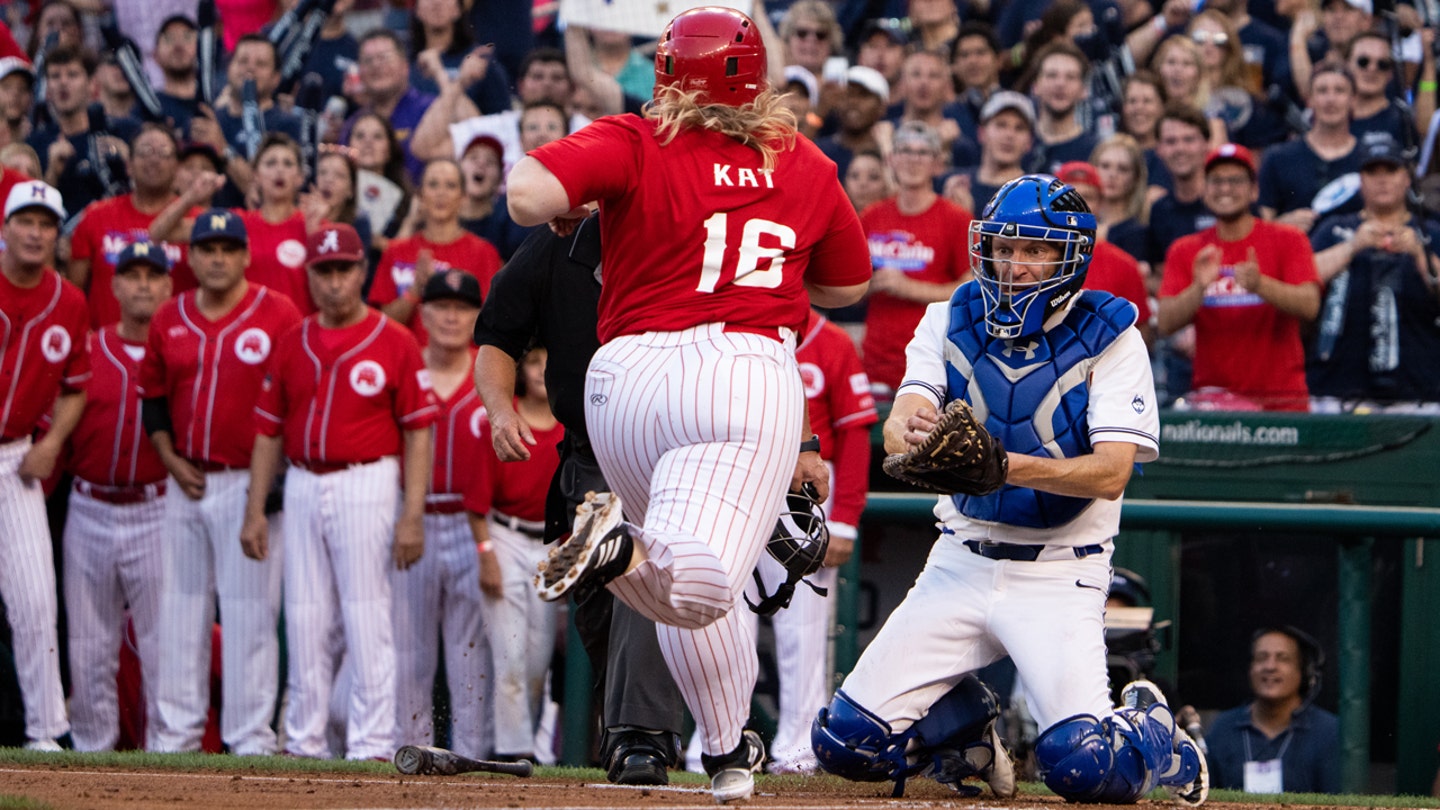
{"points": [[155, 416]]}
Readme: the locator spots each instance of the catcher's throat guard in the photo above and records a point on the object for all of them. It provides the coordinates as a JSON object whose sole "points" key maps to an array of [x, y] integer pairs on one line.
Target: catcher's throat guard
{"points": [[798, 543]]}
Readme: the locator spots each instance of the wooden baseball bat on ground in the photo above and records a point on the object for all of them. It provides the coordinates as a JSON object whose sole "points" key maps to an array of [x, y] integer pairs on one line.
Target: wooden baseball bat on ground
{"points": [[426, 760]]}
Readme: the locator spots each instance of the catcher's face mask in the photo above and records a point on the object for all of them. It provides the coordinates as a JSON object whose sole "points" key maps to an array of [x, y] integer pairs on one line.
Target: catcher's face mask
{"points": [[798, 543]]}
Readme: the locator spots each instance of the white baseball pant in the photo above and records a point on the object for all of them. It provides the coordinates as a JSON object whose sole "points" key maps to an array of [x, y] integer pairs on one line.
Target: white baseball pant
{"points": [[521, 629], [113, 557], [698, 432], [203, 561], [27, 583], [437, 601], [340, 528]]}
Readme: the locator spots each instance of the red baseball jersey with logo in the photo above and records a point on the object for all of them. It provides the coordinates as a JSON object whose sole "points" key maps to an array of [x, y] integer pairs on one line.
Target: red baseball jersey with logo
{"points": [[746, 238], [517, 488], [395, 274], [211, 371], [1242, 343], [459, 437], [342, 396], [932, 246], [43, 349], [277, 256], [1116, 272], [110, 446], [105, 229], [838, 392]]}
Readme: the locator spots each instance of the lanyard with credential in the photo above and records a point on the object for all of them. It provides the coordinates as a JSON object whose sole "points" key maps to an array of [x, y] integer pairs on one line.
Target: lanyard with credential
{"points": [[1266, 776]]}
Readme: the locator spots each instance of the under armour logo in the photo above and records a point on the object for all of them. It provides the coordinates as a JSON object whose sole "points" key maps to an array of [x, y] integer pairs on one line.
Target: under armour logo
{"points": [[1029, 349], [331, 243]]}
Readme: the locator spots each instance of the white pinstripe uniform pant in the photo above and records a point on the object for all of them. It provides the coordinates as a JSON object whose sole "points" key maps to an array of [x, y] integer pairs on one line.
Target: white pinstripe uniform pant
{"points": [[27, 582], [521, 628], [340, 528], [203, 561], [113, 557], [437, 601], [698, 431]]}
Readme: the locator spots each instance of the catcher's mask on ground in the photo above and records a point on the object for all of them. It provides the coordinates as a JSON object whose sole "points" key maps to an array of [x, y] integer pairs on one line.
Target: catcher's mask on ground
{"points": [[1030, 251], [799, 544]]}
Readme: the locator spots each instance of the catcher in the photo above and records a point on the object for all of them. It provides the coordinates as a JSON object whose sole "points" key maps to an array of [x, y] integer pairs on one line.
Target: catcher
{"points": [[1018, 360]]}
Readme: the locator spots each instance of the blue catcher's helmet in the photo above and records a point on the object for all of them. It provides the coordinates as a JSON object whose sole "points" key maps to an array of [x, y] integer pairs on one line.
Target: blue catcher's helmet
{"points": [[1036, 207]]}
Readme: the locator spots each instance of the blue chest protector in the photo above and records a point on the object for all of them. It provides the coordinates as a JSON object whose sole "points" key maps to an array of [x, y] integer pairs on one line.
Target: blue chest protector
{"points": [[1032, 393]]}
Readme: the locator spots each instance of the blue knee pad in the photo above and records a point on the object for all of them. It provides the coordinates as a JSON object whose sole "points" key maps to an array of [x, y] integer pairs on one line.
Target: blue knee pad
{"points": [[1084, 759], [851, 742]]}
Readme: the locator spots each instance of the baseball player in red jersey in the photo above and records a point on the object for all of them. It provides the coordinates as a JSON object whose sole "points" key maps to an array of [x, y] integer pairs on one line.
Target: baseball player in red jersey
{"points": [[43, 362], [108, 225], [716, 220], [116, 523], [520, 626], [407, 264], [437, 600], [347, 394], [841, 413], [208, 352]]}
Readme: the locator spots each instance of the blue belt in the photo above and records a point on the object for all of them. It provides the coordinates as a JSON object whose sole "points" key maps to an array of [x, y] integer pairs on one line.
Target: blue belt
{"points": [[1024, 553]]}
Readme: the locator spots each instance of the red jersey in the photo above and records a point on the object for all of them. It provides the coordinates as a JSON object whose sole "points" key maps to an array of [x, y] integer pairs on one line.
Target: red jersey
{"points": [[1243, 344], [42, 350], [839, 396], [459, 444], [697, 231], [277, 256], [518, 488], [395, 274], [1116, 272], [932, 246], [110, 446], [105, 229], [343, 396], [210, 371]]}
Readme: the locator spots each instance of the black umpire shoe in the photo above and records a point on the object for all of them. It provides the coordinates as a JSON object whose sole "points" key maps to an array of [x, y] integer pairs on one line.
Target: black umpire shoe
{"points": [[640, 758]]}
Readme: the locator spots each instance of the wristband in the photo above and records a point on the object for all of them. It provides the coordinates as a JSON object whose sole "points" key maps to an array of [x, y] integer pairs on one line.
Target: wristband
{"points": [[810, 445], [1428, 86], [485, 547]]}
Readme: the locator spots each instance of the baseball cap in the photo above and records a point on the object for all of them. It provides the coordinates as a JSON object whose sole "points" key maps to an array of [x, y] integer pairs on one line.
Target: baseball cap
{"points": [[143, 252], [216, 224], [1078, 171], [452, 285], [917, 132], [14, 64], [333, 242], [870, 79], [183, 19], [196, 148], [489, 141], [1231, 153], [1367, 6], [34, 194], [1381, 147], [896, 29], [1002, 100], [796, 74]]}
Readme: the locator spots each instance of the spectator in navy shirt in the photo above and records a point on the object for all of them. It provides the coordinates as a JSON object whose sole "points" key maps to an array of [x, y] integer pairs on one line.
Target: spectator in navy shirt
{"points": [[882, 47], [1007, 132], [1373, 66], [866, 94], [1183, 146], [175, 47], [976, 66], [334, 51], [386, 90], [929, 96], [1060, 85], [1292, 173], [441, 26], [1143, 101]]}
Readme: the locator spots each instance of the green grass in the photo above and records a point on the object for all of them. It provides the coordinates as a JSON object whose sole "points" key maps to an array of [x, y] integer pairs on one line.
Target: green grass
{"points": [[140, 760]]}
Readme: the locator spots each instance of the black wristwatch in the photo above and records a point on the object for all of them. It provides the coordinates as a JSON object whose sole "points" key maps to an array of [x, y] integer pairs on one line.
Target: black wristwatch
{"points": [[810, 445]]}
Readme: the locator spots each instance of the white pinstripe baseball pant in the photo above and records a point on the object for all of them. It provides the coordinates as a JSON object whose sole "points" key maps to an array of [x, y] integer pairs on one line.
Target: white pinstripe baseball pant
{"points": [[698, 431], [27, 582], [203, 561], [340, 528], [113, 557], [521, 629], [437, 601]]}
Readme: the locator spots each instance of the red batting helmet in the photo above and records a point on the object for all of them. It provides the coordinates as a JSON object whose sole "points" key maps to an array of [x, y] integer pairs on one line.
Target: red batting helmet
{"points": [[715, 50]]}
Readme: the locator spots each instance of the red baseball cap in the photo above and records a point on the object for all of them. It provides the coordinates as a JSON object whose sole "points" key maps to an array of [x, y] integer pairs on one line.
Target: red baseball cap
{"points": [[1078, 171], [333, 242], [1231, 153], [488, 141]]}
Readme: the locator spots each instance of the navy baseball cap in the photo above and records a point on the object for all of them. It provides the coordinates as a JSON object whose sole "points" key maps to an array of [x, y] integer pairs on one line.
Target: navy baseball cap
{"points": [[143, 252], [452, 285], [1381, 147], [216, 224]]}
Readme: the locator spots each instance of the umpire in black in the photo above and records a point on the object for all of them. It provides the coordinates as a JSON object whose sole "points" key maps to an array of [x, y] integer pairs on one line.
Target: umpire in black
{"points": [[547, 295]]}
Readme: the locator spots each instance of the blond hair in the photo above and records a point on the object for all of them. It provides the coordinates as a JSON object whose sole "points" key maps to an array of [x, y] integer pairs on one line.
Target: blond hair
{"points": [[1136, 206], [765, 124]]}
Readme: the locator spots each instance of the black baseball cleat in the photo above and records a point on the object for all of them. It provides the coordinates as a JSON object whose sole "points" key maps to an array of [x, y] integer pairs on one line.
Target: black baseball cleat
{"points": [[732, 775], [639, 758], [598, 550]]}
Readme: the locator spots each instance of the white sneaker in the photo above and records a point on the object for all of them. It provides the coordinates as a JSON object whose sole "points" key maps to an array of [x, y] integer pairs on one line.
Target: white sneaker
{"points": [[1000, 776], [47, 746], [732, 777]]}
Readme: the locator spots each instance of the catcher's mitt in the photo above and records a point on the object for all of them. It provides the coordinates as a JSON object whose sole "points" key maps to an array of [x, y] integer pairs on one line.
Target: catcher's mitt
{"points": [[958, 457], [798, 543]]}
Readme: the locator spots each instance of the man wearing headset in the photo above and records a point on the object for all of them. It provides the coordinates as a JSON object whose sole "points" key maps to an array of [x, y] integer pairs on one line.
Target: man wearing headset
{"points": [[1280, 741]]}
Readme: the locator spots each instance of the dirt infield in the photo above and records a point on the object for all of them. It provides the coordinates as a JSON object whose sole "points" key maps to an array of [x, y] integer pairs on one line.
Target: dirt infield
{"points": [[130, 789]]}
